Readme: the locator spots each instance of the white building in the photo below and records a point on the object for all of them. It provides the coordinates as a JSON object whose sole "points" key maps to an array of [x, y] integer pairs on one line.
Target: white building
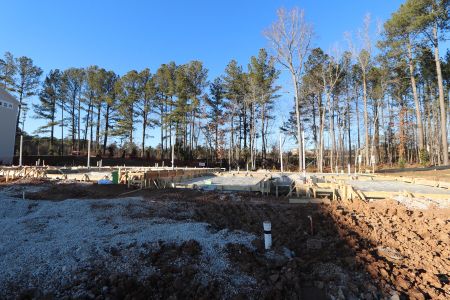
{"points": [[9, 108]]}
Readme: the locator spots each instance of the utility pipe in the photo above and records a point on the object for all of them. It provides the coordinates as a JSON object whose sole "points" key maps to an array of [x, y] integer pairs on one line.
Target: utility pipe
{"points": [[311, 224], [267, 234]]}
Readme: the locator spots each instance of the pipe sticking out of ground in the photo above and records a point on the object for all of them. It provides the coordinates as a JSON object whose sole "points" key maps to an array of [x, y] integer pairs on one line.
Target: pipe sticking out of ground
{"points": [[267, 235], [311, 224]]}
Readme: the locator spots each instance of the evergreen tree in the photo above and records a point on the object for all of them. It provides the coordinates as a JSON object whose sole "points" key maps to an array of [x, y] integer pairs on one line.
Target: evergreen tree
{"points": [[25, 85], [8, 70], [73, 79], [128, 93], [216, 106], [46, 109]]}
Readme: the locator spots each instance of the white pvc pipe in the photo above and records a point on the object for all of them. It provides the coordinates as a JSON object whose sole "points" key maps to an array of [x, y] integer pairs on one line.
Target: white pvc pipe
{"points": [[267, 234]]}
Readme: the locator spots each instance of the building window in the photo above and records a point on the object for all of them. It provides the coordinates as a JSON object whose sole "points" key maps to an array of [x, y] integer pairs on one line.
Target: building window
{"points": [[6, 104]]}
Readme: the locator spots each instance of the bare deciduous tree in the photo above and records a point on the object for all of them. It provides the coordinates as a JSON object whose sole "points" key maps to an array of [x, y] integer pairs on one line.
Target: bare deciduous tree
{"points": [[290, 37], [362, 55], [331, 74]]}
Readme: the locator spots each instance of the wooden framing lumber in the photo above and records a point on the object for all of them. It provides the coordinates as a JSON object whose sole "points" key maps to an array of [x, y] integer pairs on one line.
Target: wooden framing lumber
{"points": [[309, 200]]}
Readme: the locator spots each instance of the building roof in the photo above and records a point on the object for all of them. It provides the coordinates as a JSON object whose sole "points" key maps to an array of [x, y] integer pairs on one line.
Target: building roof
{"points": [[7, 96]]}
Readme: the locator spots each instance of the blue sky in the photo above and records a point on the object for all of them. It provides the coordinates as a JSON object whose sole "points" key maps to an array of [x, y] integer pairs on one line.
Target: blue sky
{"points": [[126, 35]]}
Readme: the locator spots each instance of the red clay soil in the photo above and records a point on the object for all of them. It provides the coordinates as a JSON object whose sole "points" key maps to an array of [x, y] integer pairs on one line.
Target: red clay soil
{"points": [[407, 250], [352, 251]]}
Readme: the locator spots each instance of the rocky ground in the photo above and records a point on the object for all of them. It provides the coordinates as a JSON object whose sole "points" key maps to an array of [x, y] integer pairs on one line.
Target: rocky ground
{"points": [[406, 250], [342, 251]]}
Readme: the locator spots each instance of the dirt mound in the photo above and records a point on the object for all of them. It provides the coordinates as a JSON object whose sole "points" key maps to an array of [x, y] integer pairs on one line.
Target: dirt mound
{"points": [[403, 250], [171, 281], [350, 250], [58, 192]]}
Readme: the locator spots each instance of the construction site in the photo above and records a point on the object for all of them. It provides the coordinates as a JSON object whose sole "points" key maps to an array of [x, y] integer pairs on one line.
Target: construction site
{"points": [[225, 150], [197, 233]]}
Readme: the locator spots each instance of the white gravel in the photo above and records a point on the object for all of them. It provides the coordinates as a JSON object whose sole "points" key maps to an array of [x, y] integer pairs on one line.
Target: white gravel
{"points": [[225, 180], [396, 186], [44, 243], [422, 203]]}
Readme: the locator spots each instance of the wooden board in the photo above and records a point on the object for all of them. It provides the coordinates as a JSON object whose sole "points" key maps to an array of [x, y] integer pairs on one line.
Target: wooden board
{"points": [[309, 200]]}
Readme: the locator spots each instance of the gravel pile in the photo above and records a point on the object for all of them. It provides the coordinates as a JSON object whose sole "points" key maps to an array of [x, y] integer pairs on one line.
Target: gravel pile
{"points": [[45, 244]]}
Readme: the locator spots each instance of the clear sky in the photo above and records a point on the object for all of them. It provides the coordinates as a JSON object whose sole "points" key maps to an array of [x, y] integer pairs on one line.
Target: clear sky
{"points": [[126, 35]]}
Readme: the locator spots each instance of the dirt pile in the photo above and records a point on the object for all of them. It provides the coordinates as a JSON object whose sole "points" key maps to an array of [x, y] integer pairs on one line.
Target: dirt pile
{"points": [[304, 263], [404, 250], [343, 251]]}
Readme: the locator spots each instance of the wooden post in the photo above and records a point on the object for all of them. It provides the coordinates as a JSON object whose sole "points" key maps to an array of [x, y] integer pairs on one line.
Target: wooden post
{"points": [[20, 150], [281, 157], [89, 154]]}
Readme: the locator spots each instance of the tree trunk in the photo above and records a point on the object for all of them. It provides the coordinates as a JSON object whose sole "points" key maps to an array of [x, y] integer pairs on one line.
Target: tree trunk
{"points": [[441, 97], [357, 117], [18, 119], [416, 98], [131, 125], [322, 110], [74, 127], [53, 127], [79, 124], [216, 136], [162, 130], [91, 125], [331, 124], [232, 139], [86, 127], [316, 144], [299, 128], [144, 127], [97, 131], [62, 127], [263, 132], [366, 117], [402, 135], [349, 130], [105, 138]]}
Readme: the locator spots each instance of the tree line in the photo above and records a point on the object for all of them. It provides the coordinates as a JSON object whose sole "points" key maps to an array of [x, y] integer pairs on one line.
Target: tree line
{"points": [[380, 100], [95, 106]]}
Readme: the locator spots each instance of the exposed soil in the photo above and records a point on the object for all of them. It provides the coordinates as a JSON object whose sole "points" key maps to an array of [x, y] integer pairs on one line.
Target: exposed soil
{"points": [[408, 250], [433, 173], [58, 192], [345, 250]]}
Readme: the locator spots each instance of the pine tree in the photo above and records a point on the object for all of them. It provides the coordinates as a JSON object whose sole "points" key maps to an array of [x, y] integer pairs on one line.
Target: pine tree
{"points": [[128, 93], [8, 71], [25, 85], [216, 105], [46, 109], [74, 79]]}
